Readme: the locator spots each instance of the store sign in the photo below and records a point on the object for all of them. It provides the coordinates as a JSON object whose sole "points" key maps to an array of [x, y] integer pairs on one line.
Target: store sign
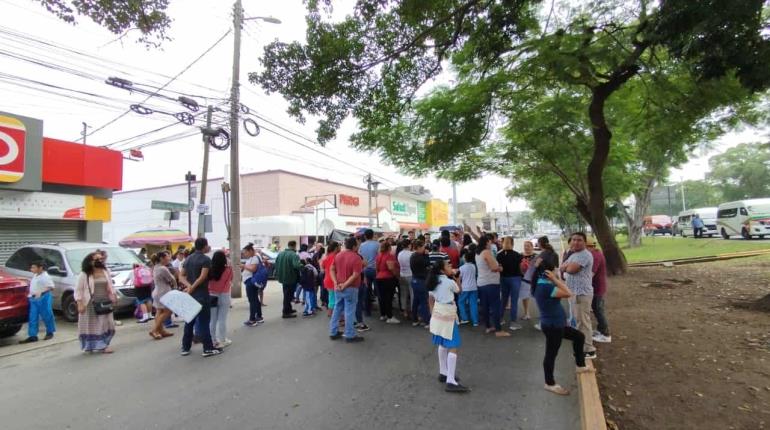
{"points": [[347, 200], [15, 204], [12, 142], [404, 211], [21, 153], [422, 215]]}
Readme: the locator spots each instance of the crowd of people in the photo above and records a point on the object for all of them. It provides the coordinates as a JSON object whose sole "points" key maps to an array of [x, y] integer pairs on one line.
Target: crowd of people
{"points": [[459, 278]]}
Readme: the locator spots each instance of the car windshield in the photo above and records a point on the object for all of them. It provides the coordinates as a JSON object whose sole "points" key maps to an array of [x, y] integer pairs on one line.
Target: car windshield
{"points": [[763, 209], [117, 258]]}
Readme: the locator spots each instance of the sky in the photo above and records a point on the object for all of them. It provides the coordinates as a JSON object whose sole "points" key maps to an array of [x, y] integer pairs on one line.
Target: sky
{"points": [[77, 59]]}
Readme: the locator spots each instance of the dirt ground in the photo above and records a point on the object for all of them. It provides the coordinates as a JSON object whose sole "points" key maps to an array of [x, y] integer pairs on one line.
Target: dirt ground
{"points": [[686, 352]]}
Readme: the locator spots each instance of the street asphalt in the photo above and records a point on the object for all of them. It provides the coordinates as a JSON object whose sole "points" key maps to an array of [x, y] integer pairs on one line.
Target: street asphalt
{"points": [[285, 374]]}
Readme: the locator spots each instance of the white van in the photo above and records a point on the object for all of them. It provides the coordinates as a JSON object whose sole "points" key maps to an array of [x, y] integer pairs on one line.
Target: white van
{"points": [[747, 218], [708, 215]]}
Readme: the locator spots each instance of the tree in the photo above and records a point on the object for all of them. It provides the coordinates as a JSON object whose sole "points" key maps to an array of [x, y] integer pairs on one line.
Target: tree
{"points": [[373, 63], [667, 199], [120, 17], [742, 172]]}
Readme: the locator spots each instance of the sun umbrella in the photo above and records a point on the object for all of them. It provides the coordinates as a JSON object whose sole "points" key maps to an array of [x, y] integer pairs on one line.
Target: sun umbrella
{"points": [[155, 237]]}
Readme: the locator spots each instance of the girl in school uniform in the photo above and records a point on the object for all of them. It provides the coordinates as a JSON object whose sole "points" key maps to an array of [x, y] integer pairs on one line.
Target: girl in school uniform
{"points": [[442, 284]]}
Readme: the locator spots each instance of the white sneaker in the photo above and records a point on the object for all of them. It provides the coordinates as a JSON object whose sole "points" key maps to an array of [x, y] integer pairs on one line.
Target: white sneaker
{"points": [[514, 327], [537, 326], [227, 343], [383, 318], [602, 338], [392, 320]]}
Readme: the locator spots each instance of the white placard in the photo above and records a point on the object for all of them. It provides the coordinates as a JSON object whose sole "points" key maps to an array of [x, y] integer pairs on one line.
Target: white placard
{"points": [[181, 304]]}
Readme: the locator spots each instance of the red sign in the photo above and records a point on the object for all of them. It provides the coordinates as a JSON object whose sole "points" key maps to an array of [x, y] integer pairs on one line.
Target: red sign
{"points": [[12, 139], [348, 200], [68, 163]]}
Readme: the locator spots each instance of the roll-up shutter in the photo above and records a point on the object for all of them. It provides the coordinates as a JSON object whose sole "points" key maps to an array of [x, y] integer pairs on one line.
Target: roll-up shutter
{"points": [[15, 233]]}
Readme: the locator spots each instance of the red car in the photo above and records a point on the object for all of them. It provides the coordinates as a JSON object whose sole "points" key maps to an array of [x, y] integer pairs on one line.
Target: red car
{"points": [[13, 304]]}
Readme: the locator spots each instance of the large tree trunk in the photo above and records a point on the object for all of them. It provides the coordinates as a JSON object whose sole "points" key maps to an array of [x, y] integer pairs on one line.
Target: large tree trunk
{"points": [[616, 261], [635, 220]]}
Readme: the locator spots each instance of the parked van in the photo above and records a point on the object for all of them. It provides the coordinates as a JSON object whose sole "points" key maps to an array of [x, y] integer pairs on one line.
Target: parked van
{"points": [[747, 218], [657, 224], [708, 215]]}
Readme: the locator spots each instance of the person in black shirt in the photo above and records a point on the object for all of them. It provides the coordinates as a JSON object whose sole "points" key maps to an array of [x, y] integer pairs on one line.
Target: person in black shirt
{"points": [[195, 275], [419, 262], [510, 280]]}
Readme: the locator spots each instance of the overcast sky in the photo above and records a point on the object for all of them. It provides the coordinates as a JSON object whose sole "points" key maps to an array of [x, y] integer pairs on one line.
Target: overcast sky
{"points": [[197, 25]]}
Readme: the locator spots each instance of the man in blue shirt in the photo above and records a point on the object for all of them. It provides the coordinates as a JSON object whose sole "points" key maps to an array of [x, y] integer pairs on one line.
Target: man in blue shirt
{"points": [[368, 250], [697, 226]]}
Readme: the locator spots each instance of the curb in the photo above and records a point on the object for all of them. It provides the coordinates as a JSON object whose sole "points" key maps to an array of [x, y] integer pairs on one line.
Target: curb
{"points": [[591, 410], [704, 259]]}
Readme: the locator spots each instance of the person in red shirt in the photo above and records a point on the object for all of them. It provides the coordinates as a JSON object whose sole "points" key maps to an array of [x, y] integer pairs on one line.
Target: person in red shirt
{"points": [[599, 281], [326, 262], [346, 275], [451, 251], [387, 275]]}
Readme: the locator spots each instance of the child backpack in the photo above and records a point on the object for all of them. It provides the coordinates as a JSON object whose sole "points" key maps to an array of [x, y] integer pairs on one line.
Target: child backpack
{"points": [[142, 276]]}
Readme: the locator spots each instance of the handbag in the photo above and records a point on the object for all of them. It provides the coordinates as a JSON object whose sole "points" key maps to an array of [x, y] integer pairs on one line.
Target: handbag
{"points": [[101, 307]]}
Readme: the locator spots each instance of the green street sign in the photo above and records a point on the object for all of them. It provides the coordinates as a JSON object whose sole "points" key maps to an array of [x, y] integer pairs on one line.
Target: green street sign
{"points": [[169, 206]]}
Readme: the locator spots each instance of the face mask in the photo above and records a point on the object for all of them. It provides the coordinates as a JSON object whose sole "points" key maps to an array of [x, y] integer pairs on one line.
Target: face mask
{"points": [[99, 264]]}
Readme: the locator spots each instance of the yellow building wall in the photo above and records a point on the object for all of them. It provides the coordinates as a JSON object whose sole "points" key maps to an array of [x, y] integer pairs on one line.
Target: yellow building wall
{"points": [[98, 209], [437, 212]]}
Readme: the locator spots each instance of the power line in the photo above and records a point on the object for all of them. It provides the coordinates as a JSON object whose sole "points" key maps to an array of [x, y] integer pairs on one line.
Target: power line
{"points": [[164, 85]]}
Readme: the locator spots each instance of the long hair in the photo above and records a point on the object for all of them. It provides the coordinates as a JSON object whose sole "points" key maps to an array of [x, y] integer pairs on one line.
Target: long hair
{"points": [[544, 243], [436, 270], [218, 265], [467, 240], [87, 266], [333, 247], [470, 254], [483, 242]]}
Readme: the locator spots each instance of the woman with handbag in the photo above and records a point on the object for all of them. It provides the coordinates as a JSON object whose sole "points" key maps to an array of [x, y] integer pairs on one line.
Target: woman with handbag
{"points": [[164, 282], [95, 297]]}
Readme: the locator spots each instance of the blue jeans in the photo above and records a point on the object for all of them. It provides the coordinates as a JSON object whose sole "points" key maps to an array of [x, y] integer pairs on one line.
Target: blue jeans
{"points": [[309, 297], [490, 305], [361, 302], [201, 324], [469, 298], [346, 301], [41, 307], [255, 306], [420, 300], [369, 275], [509, 287]]}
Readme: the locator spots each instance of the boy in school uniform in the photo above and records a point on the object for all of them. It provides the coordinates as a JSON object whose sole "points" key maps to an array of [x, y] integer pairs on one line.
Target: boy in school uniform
{"points": [[40, 303]]}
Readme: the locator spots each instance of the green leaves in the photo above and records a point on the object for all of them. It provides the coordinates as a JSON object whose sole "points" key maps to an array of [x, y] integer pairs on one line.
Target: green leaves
{"points": [[742, 172]]}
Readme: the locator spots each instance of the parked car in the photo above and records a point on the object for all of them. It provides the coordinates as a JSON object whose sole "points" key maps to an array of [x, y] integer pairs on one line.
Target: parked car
{"points": [[748, 218], [708, 215], [657, 224], [63, 262], [14, 307]]}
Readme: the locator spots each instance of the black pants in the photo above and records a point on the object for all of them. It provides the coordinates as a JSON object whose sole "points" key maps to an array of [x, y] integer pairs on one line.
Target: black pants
{"points": [[288, 297], [697, 231], [255, 306], [386, 288], [203, 319], [553, 337]]}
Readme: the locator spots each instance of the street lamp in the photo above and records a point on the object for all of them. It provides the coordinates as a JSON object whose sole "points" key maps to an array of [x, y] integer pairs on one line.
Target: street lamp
{"points": [[235, 184]]}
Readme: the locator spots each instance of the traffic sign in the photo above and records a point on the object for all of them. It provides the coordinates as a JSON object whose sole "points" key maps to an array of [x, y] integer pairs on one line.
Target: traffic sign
{"points": [[169, 206], [203, 208]]}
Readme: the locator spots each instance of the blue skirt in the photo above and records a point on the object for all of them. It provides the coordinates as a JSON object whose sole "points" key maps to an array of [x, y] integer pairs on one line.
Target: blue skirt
{"points": [[446, 343]]}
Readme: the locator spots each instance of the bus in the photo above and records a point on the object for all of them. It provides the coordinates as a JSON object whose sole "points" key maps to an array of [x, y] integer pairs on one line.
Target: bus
{"points": [[747, 218]]}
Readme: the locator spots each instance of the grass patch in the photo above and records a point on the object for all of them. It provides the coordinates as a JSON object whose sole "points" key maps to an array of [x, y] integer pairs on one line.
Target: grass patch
{"points": [[658, 248]]}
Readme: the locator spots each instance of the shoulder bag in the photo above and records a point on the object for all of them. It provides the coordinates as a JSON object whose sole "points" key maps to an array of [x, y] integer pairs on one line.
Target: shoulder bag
{"points": [[101, 307]]}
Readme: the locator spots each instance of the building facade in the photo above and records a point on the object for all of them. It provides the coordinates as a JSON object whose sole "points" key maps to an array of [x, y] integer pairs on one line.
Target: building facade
{"points": [[52, 190]]}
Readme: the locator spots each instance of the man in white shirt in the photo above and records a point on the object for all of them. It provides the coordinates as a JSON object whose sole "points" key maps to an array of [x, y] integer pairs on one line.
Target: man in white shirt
{"points": [[40, 303]]}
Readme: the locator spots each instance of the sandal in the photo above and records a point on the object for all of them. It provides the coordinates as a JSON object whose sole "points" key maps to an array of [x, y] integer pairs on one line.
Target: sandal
{"points": [[107, 350], [166, 334], [155, 336], [557, 389], [502, 334]]}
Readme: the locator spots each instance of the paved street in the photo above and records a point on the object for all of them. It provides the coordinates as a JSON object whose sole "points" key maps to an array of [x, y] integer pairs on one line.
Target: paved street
{"points": [[285, 374]]}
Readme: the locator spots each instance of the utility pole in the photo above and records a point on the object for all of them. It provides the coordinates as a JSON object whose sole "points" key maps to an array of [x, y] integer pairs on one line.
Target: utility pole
{"points": [[682, 185], [235, 178], [376, 184], [190, 178], [84, 133], [454, 203], [205, 173], [368, 181]]}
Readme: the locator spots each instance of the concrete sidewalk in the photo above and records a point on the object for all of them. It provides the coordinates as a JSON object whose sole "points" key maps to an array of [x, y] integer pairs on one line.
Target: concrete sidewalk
{"points": [[287, 374]]}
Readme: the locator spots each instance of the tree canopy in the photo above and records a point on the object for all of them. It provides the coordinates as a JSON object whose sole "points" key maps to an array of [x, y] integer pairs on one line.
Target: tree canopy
{"points": [[742, 172], [529, 86], [147, 16]]}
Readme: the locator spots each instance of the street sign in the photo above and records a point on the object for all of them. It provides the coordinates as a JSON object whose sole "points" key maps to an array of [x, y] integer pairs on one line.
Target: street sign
{"points": [[203, 208], [169, 206]]}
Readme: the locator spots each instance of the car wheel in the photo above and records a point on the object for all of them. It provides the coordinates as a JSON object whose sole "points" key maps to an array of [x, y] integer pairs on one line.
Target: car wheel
{"points": [[745, 234], [761, 236], [710, 236], [69, 307], [10, 330], [725, 236]]}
